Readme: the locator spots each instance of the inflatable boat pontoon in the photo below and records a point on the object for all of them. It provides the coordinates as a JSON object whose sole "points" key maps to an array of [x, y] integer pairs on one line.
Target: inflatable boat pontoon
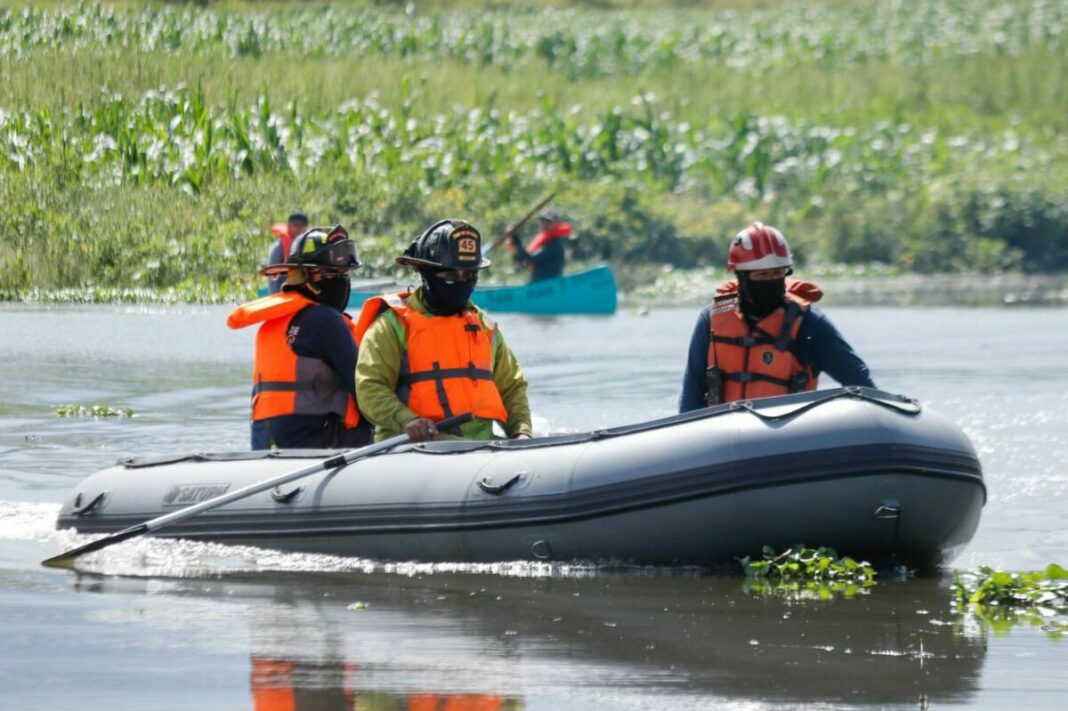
{"points": [[866, 472]]}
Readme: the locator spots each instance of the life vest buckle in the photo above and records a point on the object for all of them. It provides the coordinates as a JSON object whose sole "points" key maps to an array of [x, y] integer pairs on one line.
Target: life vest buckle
{"points": [[713, 386], [798, 382]]}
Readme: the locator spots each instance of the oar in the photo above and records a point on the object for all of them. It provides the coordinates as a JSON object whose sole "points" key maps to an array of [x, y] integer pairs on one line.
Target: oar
{"points": [[64, 560], [519, 225]]}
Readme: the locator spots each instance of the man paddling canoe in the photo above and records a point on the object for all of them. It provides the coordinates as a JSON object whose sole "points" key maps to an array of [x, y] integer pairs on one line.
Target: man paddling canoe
{"points": [[545, 257]]}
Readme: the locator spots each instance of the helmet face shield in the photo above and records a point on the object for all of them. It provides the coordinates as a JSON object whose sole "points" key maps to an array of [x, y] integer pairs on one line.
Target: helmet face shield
{"points": [[320, 248], [339, 253]]}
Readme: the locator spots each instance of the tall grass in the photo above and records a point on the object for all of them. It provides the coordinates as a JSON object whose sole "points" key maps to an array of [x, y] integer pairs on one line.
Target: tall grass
{"points": [[150, 145]]}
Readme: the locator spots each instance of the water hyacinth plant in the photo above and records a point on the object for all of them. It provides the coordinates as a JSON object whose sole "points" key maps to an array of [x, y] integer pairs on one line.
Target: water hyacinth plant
{"points": [[806, 573], [1003, 599], [75, 410]]}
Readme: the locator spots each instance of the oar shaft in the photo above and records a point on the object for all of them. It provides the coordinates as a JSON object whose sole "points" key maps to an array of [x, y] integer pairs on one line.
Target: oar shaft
{"points": [[65, 559], [522, 221], [246, 491]]}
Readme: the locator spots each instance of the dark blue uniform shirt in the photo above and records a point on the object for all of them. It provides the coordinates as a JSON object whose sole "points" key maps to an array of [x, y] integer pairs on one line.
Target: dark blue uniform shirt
{"points": [[818, 343], [318, 332], [547, 262]]}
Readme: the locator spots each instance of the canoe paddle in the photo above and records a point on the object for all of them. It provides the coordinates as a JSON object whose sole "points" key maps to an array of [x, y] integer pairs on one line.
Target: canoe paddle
{"points": [[64, 560], [519, 225]]}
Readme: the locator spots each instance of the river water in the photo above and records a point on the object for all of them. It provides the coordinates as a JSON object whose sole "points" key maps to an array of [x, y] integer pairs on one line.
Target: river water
{"points": [[167, 625]]}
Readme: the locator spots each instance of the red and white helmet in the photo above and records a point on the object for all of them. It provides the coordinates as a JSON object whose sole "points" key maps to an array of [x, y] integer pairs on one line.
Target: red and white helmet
{"points": [[758, 247]]}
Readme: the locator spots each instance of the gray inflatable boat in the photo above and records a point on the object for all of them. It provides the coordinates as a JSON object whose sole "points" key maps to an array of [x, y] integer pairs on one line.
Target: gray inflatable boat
{"points": [[869, 473]]}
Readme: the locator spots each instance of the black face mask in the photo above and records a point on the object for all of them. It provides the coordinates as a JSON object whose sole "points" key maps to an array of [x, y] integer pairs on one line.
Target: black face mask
{"points": [[760, 298], [331, 292], [446, 299]]}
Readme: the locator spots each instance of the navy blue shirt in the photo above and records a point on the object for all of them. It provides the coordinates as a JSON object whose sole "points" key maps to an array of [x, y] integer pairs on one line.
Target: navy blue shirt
{"points": [[547, 262], [818, 343], [316, 331]]}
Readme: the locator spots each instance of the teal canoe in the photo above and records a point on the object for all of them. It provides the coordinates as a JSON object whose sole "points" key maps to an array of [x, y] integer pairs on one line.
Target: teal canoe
{"points": [[592, 291]]}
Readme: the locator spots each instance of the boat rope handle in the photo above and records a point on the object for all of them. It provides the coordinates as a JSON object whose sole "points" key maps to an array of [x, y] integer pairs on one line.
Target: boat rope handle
{"points": [[90, 507], [898, 403], [904, 405], [285, 497], [487, 485]]}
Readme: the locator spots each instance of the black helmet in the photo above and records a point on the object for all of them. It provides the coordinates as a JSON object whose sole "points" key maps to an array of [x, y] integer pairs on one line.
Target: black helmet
{"points": [[449, 244], [318, 248]]}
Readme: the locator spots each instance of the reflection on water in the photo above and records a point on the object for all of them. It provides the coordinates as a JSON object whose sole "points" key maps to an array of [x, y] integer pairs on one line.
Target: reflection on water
{"points": [[338, 641], [285, 685]]}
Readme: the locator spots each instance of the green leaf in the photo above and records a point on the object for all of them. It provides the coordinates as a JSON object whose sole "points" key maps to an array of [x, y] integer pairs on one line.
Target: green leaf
{"points": [[1056, 572]]}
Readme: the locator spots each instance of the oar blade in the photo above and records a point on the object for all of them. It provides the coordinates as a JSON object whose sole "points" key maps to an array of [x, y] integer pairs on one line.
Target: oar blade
{"points": [[66, 559]]}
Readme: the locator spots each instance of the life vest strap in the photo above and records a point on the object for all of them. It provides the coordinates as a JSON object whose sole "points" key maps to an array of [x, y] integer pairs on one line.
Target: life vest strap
{"points": [[795, 384], [439, 375], [747, 377], [442, 373], [760, 339], [793, 312], [298, 386]]}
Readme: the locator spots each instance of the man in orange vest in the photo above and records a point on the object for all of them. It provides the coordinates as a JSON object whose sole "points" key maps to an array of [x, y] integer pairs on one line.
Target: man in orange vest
{"points": [[303, 383], [286, 232], [761, 336], [430, 353], [545, 256]]}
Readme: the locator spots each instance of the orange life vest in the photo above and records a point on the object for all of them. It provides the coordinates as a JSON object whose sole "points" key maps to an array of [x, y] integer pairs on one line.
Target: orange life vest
{"points": [[448, 361], [455, 702], [276, 683], [276, 686], [281, 231], [756, 361], [284, 383]]}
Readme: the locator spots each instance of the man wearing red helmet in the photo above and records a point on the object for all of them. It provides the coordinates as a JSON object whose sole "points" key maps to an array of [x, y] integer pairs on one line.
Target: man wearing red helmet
{"points": [[761, 336]]}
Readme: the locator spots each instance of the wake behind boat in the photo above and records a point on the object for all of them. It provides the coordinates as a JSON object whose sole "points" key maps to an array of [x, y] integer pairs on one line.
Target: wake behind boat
{"points": [[869, 473]]}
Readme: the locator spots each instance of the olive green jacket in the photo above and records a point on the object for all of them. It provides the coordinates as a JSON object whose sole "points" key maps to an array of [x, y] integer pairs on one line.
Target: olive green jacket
{"points": [[378, 369]]}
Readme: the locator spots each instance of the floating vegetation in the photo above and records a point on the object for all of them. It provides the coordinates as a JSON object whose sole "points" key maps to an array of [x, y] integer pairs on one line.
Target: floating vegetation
{"points": [[1004, 600], [93, 411], [806, 573], [182, 294]]}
